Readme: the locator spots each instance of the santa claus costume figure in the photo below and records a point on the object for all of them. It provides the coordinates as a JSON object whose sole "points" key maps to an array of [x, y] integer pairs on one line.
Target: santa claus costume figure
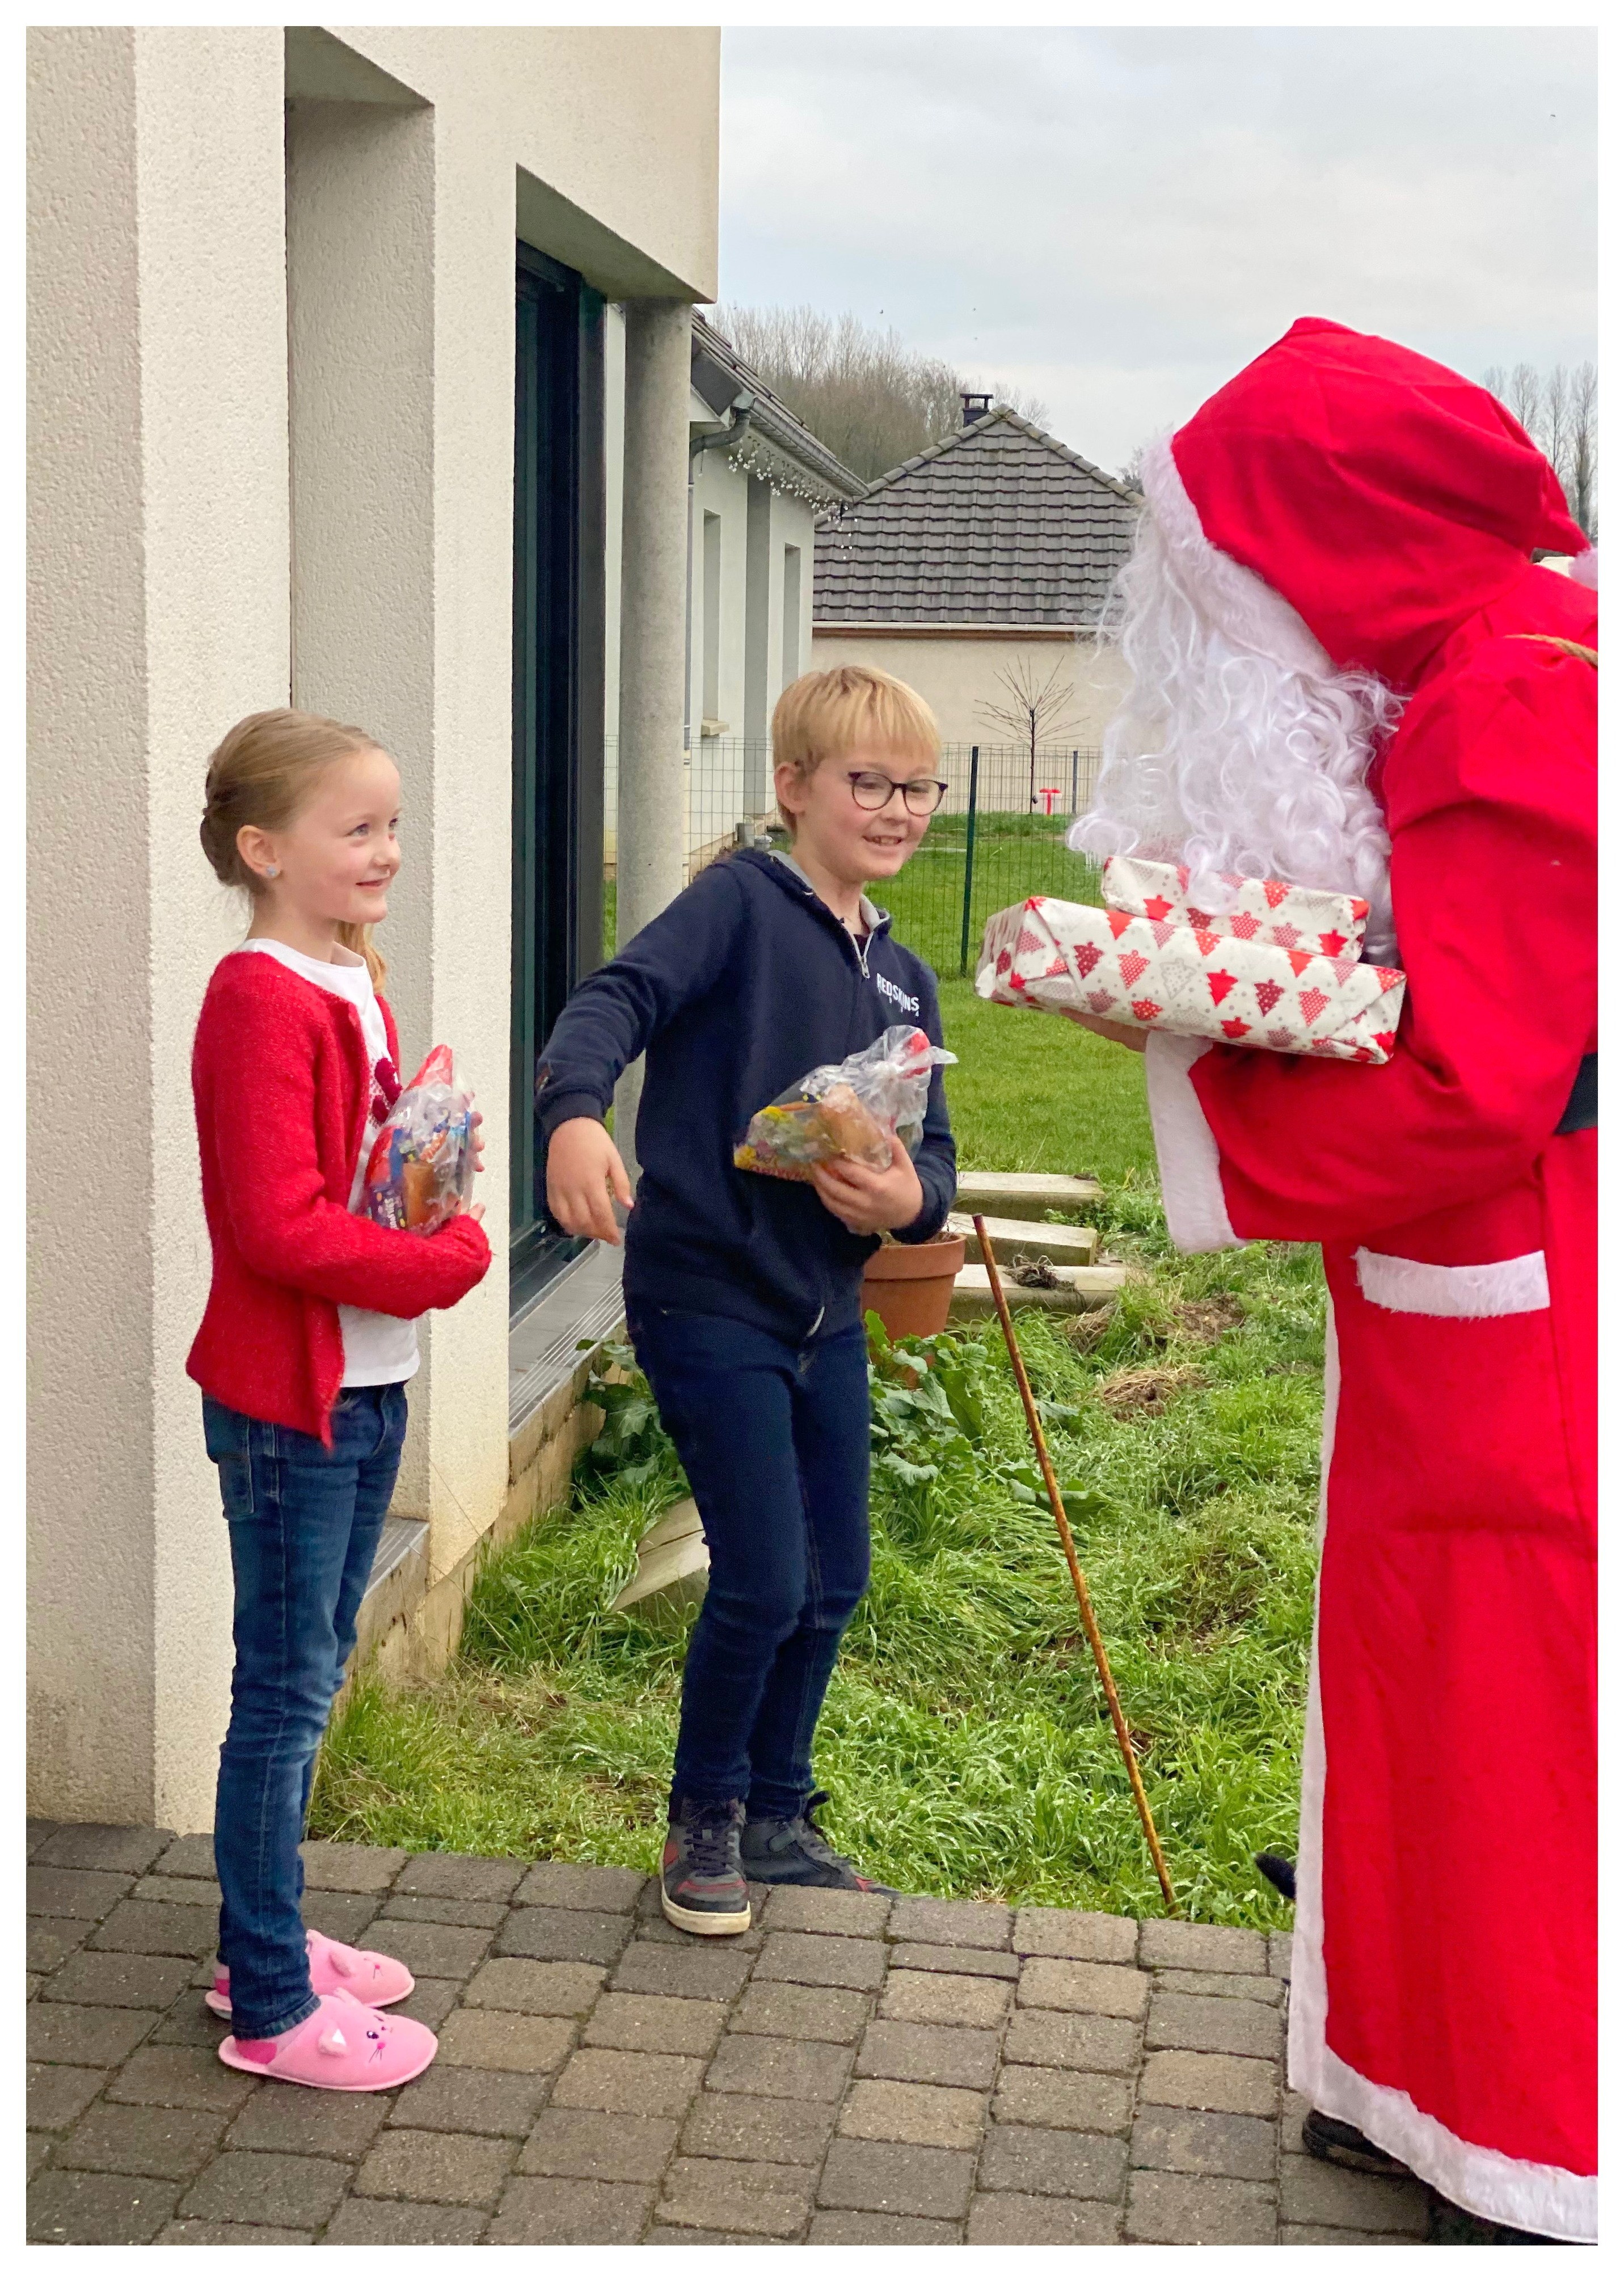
{"points": [[1350, 672]]}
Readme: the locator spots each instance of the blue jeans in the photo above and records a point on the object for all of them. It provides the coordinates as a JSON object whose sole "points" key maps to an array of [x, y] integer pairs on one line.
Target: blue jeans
{"points": [[304, 1526], [774, 1439]]}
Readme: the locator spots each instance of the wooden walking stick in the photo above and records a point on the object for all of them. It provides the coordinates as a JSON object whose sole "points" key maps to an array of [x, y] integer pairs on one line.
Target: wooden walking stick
{"points": [[1080, 1583]]}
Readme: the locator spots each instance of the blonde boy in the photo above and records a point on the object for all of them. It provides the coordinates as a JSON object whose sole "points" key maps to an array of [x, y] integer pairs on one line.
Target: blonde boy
{"points": [[743, 1291]]}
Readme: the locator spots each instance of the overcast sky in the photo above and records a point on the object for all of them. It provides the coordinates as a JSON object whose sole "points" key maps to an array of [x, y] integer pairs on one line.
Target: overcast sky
{"points": [[1116, 221]]}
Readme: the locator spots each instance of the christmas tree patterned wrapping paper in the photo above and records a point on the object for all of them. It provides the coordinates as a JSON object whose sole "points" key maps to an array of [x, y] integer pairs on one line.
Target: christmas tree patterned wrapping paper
{"points": [[1166, 973], [1257, 911]]}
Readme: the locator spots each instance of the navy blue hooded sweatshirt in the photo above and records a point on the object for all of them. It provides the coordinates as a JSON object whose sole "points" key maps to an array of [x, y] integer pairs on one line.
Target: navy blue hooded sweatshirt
{"points": [[735, 991]]}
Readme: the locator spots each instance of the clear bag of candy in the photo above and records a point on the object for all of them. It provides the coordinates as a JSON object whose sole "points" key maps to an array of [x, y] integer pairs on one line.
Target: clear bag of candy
{"points": [[421, 1167], [847, 1110]]}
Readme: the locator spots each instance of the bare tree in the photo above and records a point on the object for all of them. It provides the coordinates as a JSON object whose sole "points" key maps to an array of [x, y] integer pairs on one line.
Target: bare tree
{"points": [[1579, 474], [1034, 710], [1552, 431], [1559, 411], [869, 397], [1524, 396], [1031, 407], [1132, 474]]}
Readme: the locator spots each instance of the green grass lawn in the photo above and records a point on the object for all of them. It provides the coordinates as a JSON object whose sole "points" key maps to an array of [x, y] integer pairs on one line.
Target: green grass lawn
{"points": [[1016, 856], [965, 1743], [1030, 1091]]}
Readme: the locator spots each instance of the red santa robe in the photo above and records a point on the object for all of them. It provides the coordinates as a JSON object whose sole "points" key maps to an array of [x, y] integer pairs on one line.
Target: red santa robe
{"points": [[1443, 1991]]}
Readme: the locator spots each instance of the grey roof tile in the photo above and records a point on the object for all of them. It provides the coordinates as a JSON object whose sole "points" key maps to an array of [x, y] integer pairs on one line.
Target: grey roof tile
{"points": [[999, 522]]}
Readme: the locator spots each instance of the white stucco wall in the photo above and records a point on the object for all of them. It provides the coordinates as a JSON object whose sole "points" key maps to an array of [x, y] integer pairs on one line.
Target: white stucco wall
{"points": [[163, 561], [957, 674], [727, 773], [791, 525], [612, 133], [158, 614], [716, 763]]}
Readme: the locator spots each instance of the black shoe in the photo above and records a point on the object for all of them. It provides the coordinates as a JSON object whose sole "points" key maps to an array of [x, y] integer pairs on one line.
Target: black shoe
{"points": [[1281, 1873], [701, 1875], [775, 1851], [1347, 2147], [1448, 2226]]}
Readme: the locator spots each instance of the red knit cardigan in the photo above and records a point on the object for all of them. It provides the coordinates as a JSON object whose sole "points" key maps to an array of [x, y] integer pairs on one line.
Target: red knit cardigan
{"points": [[283, 1088]]}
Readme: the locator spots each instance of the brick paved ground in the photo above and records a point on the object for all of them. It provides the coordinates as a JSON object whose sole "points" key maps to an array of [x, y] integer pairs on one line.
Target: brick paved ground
{"points": [[850, 2070]]}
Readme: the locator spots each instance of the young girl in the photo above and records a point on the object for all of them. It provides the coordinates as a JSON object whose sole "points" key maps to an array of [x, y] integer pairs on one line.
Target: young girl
{"points": [[302, 1355]]}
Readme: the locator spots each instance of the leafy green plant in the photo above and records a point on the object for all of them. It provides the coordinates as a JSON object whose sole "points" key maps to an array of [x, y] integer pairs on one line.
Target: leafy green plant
{"points": [[632, 1446], [925, 1409], [929, 1421]]}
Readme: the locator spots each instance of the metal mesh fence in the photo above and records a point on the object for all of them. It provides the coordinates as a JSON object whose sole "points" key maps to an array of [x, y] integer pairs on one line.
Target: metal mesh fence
{"points": [[998, 837]]}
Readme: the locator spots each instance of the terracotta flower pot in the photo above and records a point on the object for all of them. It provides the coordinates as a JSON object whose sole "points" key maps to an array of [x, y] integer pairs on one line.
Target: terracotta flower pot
{"points": [[910, 1287]]}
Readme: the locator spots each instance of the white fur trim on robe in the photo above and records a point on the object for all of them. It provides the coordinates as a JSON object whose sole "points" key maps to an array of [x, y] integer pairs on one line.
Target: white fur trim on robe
{"points": [[1186, 1149]]}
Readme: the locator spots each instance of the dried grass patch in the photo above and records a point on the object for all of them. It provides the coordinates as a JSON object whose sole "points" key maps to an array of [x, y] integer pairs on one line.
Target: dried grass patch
{"points": [[1087, 1327], [1132, 1394], [1208, 1319]]}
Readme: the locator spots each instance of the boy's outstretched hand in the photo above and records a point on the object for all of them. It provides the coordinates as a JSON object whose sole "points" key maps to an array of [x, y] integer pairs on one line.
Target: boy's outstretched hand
{"points": [[583, 1168], [869, 1199]]}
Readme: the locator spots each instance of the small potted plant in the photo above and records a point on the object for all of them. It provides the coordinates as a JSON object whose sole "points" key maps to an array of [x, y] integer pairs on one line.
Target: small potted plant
{"points": [[911, 1287]]}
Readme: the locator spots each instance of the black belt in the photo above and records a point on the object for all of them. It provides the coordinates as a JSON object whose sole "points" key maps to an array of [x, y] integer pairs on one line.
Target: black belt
{"points": [[1580, 1111]]}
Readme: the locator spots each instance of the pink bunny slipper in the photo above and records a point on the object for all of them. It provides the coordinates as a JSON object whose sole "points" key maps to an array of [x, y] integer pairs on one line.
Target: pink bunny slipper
{"points": [[335, 1969], [343, 2044]]}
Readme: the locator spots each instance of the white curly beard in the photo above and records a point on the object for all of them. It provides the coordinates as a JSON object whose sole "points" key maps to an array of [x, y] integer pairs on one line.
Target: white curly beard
{"points": [[1223, 756]]}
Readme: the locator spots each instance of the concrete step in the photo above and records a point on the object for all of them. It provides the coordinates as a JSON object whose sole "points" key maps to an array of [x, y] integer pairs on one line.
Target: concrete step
{"points": [[678, 1521], [673, 1566], [1028, 1197], [1078, 1289], [1063, 1241]]}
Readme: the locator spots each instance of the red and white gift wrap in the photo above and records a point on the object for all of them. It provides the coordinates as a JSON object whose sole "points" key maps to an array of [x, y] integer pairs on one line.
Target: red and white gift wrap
{"points": [[1172, 978], [1246, 907], [1444, 1987]]}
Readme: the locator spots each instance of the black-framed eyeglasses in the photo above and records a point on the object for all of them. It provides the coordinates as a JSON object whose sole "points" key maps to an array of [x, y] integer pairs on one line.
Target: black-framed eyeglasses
{"points": [[874, 790]]}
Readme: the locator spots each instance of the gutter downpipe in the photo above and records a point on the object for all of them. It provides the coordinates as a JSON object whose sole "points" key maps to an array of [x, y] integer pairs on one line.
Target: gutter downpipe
{"points": [[741, 406]]}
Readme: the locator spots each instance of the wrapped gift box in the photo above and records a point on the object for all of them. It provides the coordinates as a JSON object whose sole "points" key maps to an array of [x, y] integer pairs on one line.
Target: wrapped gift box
{"points": [[1258, 913], [1175, 977]]}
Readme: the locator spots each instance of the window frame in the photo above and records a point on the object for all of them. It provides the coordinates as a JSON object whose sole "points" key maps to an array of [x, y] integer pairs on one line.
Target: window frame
{"points": [[559, 608]]}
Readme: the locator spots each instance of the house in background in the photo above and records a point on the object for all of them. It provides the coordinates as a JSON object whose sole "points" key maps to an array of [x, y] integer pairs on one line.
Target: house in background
{"points": [[758, 480], [986, 558], [323, 409]]}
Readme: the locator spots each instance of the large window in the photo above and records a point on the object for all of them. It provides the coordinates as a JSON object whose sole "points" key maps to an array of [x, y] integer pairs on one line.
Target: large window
{"points": [[558, 631]]}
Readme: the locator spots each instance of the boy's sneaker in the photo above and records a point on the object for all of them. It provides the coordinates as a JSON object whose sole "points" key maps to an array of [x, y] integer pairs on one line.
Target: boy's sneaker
{"points": [[779, 1852], [701, 1875]]}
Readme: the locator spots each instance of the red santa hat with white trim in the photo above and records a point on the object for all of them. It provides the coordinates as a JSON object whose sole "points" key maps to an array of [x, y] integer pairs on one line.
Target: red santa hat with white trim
{"points": [[1345, 502]]}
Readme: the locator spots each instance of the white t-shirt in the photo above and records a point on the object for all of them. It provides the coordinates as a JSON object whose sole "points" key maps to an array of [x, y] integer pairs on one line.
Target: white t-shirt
{"points": [[378, 1348]]}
